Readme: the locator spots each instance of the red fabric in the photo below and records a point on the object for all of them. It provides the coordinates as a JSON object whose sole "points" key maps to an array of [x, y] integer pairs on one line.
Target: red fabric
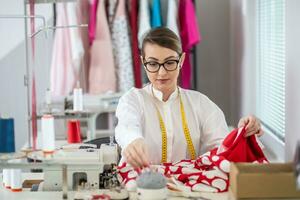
{"points": [[210, 171], [239, 149], [190, 36], [134, 40]]}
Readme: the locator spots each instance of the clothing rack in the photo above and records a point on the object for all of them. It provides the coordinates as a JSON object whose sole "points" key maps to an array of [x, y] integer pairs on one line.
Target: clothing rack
{"points": [[45, 29], [48, 1]]}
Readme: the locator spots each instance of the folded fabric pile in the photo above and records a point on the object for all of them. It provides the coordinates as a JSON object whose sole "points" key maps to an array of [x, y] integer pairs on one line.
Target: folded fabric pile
{"points": [[209, 172]]}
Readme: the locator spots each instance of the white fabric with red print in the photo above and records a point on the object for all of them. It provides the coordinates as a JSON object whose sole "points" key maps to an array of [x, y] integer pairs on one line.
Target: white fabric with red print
{"points": [[209, 172]]}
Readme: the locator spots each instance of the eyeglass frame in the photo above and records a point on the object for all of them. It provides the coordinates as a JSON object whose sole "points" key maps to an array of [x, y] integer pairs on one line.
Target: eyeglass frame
{"points": [[162, 64]]}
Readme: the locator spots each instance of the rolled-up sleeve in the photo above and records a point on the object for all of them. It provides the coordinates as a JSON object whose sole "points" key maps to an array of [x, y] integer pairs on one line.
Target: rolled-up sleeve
{"points": [[129, 115]]}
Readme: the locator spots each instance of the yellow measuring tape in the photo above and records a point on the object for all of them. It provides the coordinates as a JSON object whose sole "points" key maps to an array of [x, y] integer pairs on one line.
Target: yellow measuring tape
{"points": [[185, 130]]}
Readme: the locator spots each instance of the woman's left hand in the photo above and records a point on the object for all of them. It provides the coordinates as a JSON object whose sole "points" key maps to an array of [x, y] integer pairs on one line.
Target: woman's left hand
{"points": [[252, 124]]}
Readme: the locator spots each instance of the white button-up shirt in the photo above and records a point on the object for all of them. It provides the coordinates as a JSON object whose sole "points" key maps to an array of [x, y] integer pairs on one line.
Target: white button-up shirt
{"points": [[137, 118]]}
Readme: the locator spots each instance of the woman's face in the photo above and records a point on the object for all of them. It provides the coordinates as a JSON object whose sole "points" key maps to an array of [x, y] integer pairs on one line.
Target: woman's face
{"points": [[162, 80]]}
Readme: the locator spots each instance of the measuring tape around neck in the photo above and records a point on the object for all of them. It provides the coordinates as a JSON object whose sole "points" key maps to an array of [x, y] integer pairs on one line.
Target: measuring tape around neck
{"points": [[186, 131]]}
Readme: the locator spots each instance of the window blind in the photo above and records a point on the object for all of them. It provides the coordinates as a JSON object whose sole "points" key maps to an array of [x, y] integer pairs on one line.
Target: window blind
{"points": [[270, 54]]}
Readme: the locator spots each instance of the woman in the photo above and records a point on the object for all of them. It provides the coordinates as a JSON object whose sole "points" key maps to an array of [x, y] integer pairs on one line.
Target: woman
{"points": [[163, 122]]}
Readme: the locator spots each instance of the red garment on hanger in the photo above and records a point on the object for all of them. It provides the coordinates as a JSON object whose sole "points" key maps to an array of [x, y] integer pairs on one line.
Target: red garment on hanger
{"points": [[135, 46], [210, 171]]}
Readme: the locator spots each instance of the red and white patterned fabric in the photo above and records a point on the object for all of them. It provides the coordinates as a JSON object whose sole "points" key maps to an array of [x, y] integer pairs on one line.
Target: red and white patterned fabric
{"points": [[209, 172]]}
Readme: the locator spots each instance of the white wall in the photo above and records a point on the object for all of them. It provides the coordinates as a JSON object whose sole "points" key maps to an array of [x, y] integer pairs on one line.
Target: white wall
{"points": [[13, 29], [213, 55], [292, 77], [13, 96], [242, 58]]}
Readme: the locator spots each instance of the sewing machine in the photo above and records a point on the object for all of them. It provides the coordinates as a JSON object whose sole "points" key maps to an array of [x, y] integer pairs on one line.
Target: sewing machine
{"points": [[88, 167], [82, 169]]}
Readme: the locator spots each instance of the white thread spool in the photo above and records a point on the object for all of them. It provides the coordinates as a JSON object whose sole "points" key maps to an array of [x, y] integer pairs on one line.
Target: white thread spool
{"points": [[77, 98], [109, 153], [48, 134], [48, 97], [16, 180], [6, 178]]}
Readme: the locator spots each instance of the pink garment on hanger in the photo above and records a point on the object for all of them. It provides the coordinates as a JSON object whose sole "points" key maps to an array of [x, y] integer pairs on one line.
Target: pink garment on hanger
{"points": [[63, 75], [93, 20], [102, 77], [190, 36]]}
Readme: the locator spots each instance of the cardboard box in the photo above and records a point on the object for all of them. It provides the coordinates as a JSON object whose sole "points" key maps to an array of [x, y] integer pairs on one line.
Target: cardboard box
{"points": [[274, 180]]}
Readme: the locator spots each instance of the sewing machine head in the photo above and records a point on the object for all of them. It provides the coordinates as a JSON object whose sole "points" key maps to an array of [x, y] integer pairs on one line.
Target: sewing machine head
{"points": [[95, 168]]}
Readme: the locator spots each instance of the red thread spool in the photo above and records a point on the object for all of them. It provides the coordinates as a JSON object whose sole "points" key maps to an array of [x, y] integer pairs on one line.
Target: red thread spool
{"points": [[74, 131]]}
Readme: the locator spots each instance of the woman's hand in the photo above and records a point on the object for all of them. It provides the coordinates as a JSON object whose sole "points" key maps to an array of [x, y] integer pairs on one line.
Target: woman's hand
{"points": [[136, 154], [252, 124]]}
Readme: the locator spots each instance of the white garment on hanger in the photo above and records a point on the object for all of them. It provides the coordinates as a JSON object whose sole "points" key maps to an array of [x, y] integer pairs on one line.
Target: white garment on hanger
{"points": [[144, 20], [77, 50], [172, 17], [122, 48], [63, 76]]}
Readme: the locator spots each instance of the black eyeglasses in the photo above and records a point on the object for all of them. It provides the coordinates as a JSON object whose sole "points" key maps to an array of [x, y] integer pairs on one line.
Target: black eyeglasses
{"points": [[169, 65]]}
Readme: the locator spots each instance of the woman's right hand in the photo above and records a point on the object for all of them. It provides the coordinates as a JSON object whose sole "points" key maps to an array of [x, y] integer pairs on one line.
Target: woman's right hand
{"points": [[136, 154]]}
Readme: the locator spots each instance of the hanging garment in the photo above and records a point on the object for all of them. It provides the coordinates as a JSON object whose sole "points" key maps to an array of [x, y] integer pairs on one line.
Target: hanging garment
{"points": [[63, 74], [122, 47], [144, 20], [102, 77], [156, 20], [77, 50], [190, 36], [134, 41], [83, 18], [93, 20], [209, 172], [172, 16]]}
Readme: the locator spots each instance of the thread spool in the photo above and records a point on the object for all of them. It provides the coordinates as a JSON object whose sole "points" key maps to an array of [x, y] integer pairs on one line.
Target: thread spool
{"points": [[109, 153], [16, 180], [6, 178], [48, 97], [74, 131], [48, 134], [77, 99], [7, 135]]}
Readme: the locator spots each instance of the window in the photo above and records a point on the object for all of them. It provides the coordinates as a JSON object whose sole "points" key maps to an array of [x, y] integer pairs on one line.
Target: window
{"points": [[270, 54]]}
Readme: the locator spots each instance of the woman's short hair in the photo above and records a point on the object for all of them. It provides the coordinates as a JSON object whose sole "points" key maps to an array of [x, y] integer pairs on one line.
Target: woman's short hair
{"points": [[164, 37]]}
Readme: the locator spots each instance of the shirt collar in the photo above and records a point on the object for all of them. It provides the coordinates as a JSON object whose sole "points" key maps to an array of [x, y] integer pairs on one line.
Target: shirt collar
{"points": [[159, 95]]}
